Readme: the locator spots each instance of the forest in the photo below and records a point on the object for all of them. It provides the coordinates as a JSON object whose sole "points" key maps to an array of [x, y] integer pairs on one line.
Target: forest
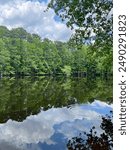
{"points": [[25, 54]]}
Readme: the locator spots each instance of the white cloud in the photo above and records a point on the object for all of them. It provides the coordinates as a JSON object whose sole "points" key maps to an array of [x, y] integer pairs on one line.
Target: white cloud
{"points": [[97, 104], [41, 127], [31, 16]]}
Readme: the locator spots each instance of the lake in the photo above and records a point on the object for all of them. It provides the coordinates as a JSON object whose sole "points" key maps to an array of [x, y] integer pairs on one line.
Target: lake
{"points": [[44, 113]]}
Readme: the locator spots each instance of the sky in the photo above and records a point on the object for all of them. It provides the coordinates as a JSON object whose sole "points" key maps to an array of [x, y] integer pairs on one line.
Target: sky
{"points": [[30, 15]]}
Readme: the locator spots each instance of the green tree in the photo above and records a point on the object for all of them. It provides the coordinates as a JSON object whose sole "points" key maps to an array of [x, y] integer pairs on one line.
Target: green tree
{"points": [[52, 59], [91, 19], [18, 33], [4, 32], [4, 59], [22, 53]]}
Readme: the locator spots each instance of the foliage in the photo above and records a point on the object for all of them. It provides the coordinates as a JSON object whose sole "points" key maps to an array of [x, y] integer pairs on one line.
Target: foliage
{"points": [[22, 53], [66, 70], [91, 19]]}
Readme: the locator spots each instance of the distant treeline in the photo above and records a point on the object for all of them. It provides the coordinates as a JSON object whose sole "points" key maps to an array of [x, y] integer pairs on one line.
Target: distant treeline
{"points": [[22, 53]]}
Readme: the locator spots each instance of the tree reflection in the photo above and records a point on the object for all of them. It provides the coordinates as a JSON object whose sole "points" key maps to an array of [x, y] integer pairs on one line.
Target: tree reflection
{"points": [[93, 141], [21, 97]]}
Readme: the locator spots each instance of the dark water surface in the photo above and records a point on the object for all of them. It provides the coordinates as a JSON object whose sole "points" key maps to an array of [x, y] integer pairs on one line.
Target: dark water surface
{"points": [[44, 113]]}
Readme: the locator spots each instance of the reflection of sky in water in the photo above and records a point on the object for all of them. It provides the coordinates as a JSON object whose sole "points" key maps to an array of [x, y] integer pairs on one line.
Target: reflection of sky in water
{"points": [[49, 130]]}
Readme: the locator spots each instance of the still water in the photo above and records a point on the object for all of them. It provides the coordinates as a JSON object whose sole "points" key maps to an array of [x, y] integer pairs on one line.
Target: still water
{"points": [[45, 113]]}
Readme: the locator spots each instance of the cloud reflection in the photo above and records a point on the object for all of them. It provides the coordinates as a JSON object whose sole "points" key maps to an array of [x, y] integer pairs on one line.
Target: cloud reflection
{"points": [[43, 127]]}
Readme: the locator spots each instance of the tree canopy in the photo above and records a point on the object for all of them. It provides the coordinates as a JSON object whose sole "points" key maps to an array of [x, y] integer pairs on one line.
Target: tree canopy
{"points": [[91, 19], [22, 53]]}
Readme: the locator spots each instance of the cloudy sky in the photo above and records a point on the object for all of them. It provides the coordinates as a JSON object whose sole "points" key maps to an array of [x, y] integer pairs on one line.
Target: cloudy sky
{"points": [[30, 15]]}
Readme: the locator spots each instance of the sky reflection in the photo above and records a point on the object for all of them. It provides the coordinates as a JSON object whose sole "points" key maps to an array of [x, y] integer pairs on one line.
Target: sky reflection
{"points": [[50, 130]]}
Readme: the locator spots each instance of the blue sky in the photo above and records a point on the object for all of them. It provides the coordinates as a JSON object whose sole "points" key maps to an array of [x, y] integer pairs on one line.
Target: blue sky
{"points": [[42, 1], [30, 15], [46, 1]]}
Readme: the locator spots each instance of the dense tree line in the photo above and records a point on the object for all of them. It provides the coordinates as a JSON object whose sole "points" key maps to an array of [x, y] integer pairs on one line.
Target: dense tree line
{"points": [[22, 53]]}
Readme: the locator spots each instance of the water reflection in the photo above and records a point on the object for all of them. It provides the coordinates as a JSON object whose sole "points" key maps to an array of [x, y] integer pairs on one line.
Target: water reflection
{"points": [[45, 113], [20, 98], [51, 129], [93, 140]]}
